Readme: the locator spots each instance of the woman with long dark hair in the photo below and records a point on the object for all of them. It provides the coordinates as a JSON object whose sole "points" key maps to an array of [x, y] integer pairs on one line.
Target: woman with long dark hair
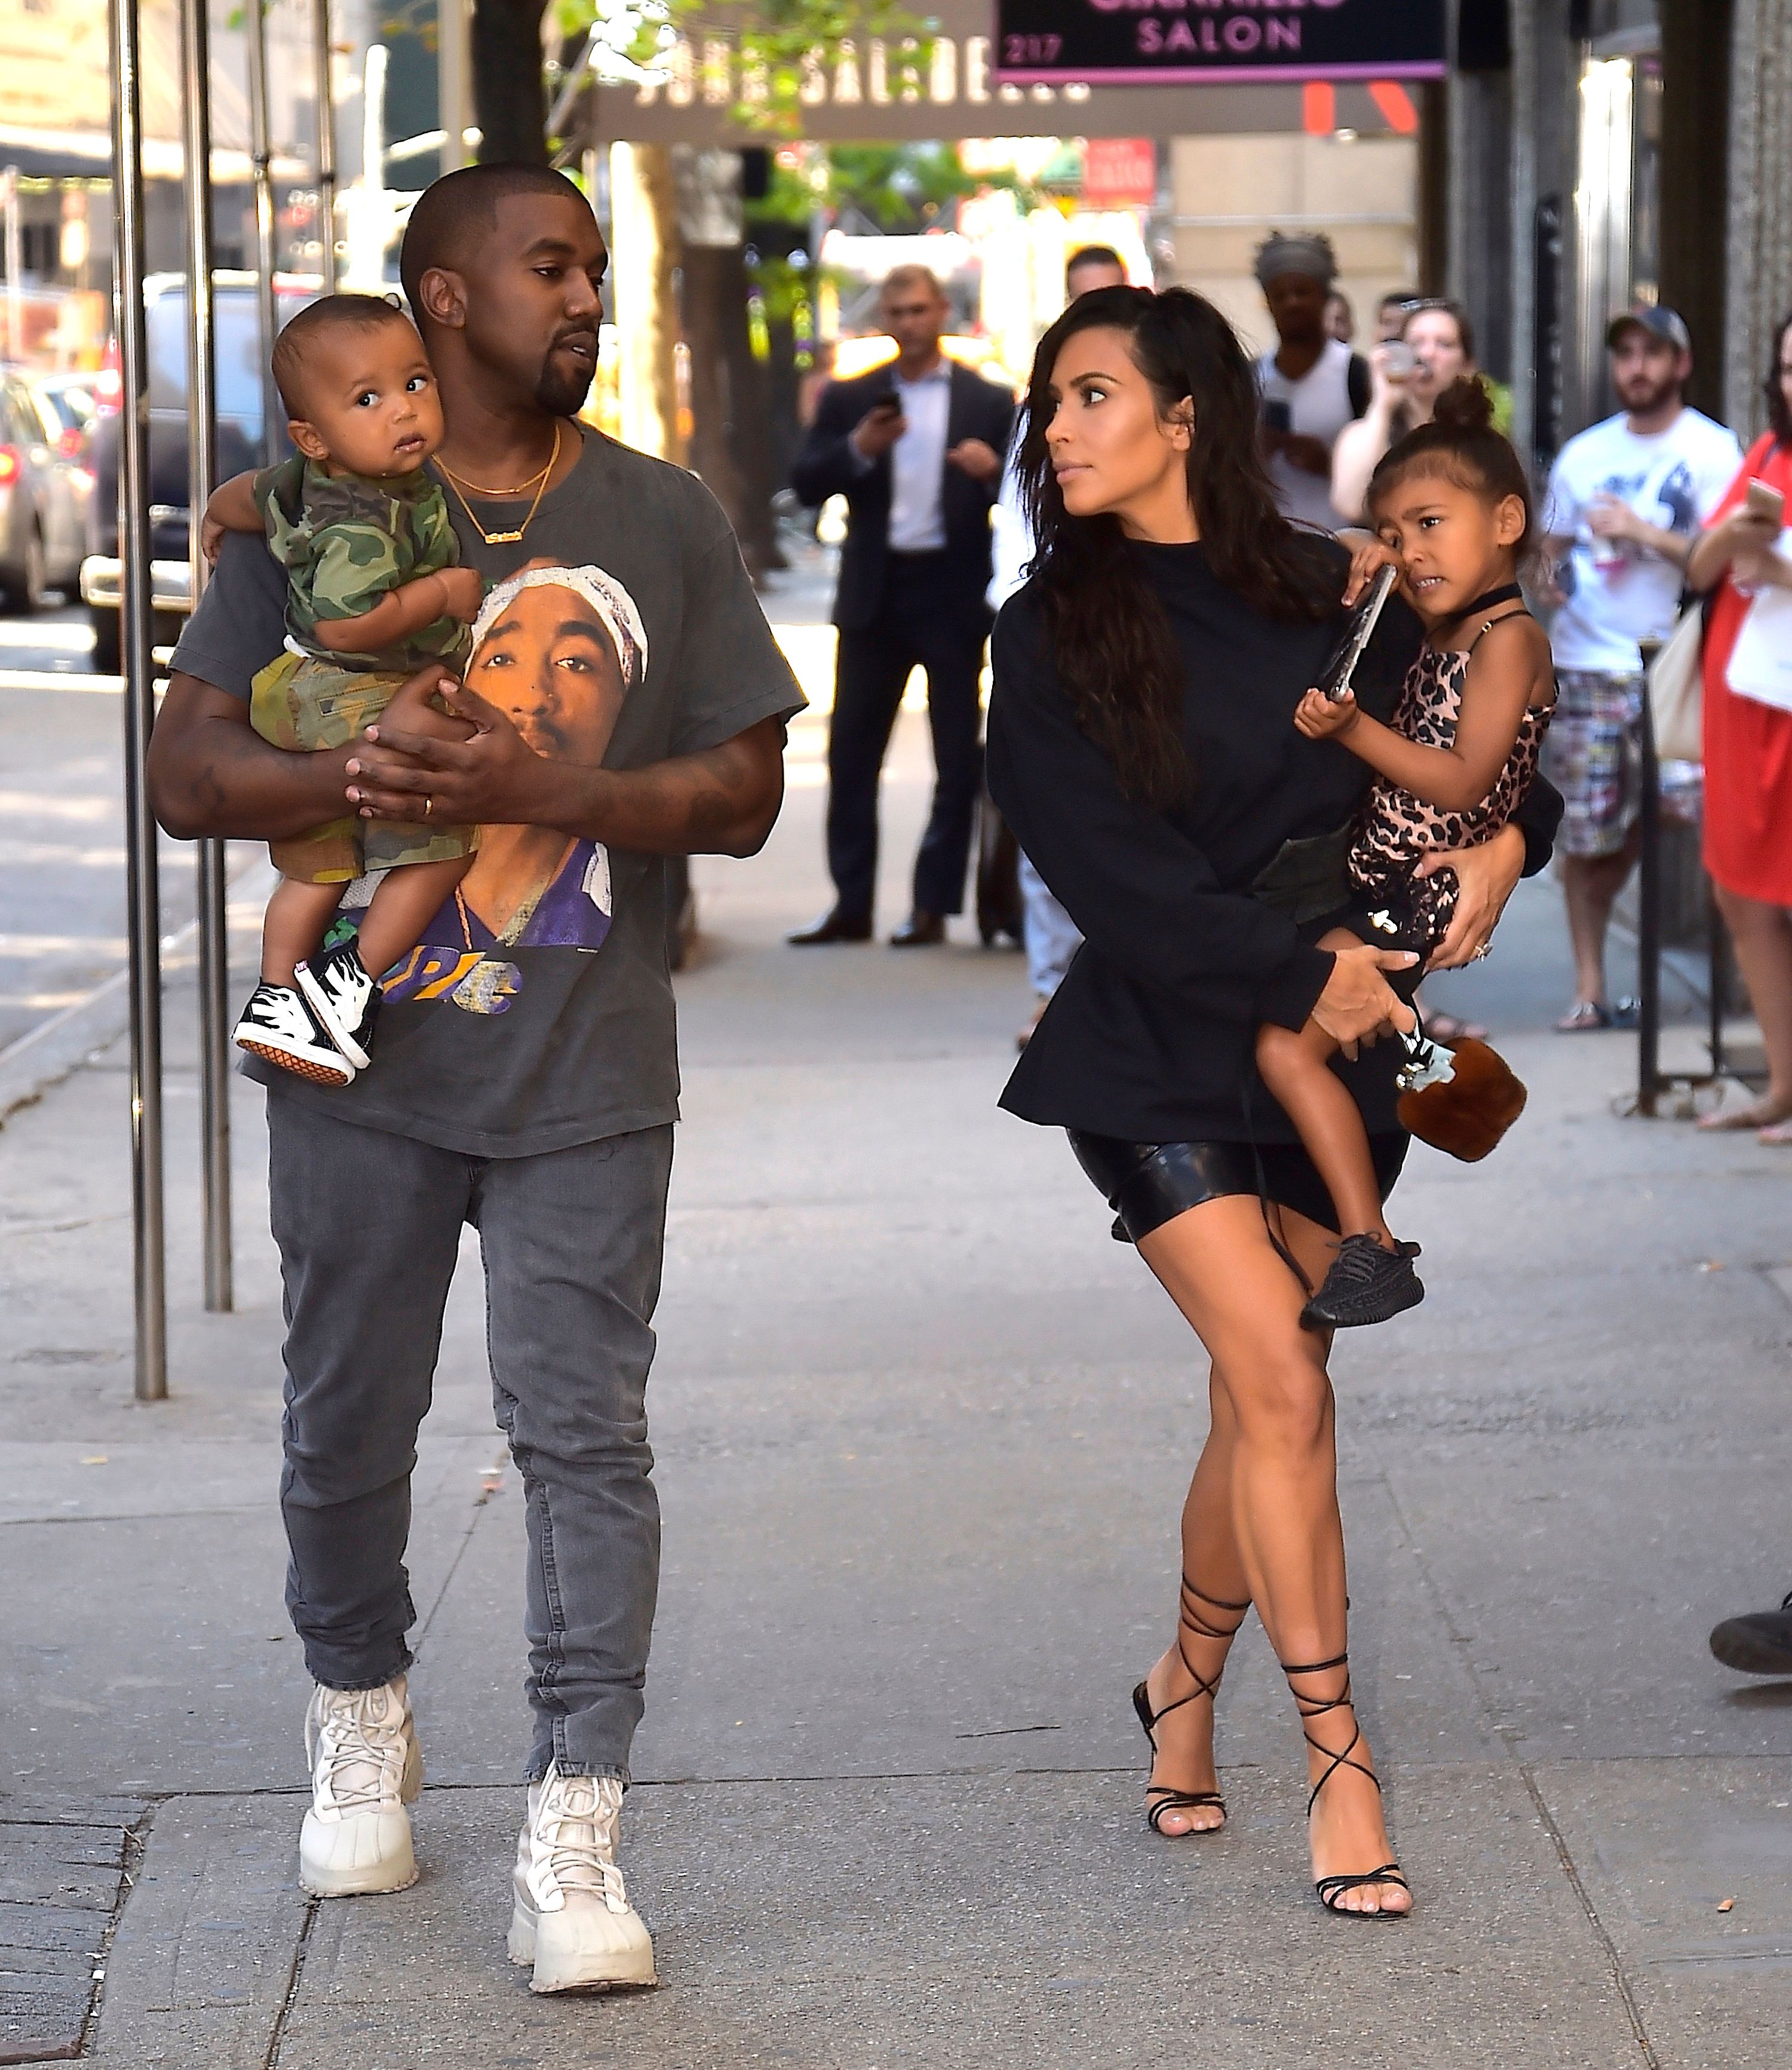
{"points": [[1749, 752], [1142, 745]]}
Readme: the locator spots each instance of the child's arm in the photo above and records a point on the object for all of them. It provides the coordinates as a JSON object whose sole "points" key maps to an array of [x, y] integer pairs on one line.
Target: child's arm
{"points": [[450, 593], [231, 507], [1505, 673]]}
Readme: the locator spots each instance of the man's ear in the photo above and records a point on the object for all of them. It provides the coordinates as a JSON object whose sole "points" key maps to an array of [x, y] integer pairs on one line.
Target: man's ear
{"points": [[305, 437], [443, 297]]}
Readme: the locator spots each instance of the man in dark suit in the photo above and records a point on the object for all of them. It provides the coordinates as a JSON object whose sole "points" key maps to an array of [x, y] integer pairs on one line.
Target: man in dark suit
{"points": [[916, 449]]}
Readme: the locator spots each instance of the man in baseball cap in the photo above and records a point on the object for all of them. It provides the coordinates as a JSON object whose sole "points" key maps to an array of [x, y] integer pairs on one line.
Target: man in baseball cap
{"points": [[1626, 498], [1653, 319]]}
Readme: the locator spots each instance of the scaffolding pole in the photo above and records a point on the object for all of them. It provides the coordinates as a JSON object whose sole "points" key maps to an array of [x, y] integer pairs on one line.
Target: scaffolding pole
{"points": [[326, 141], [144, 904], [261, 160], [201, 468]]}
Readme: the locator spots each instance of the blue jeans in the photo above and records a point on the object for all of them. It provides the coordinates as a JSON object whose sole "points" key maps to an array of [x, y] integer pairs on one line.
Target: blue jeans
{"points": [[369, 1230]]}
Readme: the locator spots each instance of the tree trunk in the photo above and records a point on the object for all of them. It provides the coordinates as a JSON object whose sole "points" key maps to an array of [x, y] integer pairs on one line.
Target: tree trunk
{"points": [[509, 94], [709, 271], [643, 220]]}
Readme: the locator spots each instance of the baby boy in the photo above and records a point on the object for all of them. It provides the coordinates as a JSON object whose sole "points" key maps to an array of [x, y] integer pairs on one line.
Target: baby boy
{"points": [[373, 596]]}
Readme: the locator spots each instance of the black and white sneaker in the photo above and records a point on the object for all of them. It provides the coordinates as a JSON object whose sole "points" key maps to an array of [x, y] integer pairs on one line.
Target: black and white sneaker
{"points": [[280, 1028], [345, 999], [1367, 1283]]}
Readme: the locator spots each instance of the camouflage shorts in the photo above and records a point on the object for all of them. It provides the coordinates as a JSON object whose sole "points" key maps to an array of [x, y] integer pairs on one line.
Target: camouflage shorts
{"points": [[302, 703]]}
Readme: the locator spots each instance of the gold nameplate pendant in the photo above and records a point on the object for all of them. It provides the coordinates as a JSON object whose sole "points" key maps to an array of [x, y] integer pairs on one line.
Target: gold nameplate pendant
{"points": [[501, 538]]}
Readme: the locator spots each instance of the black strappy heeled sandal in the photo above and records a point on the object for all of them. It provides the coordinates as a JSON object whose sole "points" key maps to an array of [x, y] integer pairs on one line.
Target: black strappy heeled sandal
{"points": [[1160, 1797], [1331, 1887]]}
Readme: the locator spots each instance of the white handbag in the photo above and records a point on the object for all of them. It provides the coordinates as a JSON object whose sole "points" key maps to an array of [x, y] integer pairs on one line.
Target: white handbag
{"points": [[1677, 689]]}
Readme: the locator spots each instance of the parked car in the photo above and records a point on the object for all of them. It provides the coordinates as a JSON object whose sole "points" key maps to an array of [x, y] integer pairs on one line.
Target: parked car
{"points": [[237, 340], [72, 402], [44, 494]]}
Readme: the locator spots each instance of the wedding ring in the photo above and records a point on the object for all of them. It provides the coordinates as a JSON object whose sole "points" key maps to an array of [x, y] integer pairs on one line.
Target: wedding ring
{"points": [[429, 807], [1481, 953]]}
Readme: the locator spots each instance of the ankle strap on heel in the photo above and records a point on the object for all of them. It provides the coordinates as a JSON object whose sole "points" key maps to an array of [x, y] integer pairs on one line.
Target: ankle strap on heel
{"points": [[1319, 1706]]}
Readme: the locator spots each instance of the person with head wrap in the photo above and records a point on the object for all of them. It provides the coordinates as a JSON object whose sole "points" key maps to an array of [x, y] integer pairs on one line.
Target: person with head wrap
{"points": [[1312, 385]]}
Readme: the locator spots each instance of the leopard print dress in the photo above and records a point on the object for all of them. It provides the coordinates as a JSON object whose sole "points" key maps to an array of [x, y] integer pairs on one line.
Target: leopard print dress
{"points": [[1396, 830]]}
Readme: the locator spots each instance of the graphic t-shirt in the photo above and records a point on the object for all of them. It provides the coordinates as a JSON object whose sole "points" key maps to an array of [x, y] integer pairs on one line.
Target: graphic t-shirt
{"points": [[1616, 593], [537, 1011], [1318, 406]]}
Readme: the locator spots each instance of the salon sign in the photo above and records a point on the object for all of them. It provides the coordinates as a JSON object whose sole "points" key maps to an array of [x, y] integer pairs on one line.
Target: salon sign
{"points": [[1122, 43]]}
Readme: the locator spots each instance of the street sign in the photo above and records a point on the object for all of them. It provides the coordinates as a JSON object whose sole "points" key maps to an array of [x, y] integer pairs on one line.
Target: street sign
{"points": [[1118, 43], [1119, 172]]}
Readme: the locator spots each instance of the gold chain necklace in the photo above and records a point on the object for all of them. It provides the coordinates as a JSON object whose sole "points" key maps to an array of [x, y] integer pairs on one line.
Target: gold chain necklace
{"points": [[540, 482]]}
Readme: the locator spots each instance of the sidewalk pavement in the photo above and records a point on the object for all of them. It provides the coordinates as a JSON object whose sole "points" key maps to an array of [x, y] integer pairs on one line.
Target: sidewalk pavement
{"points": [[922, 1432]]}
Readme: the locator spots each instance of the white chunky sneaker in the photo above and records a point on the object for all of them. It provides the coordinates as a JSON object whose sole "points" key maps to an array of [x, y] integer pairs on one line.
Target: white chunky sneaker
{"points": [[345, 999], [365, 1767], [278, 1026], [572, 1917]]}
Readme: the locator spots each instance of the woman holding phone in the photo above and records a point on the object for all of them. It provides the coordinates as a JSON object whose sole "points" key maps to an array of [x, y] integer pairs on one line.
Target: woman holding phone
{"points": [[1141, 744], [1748, 838], [1436, 346]]}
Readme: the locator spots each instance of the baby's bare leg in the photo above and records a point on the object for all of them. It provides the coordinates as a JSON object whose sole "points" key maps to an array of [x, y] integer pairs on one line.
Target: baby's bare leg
{"points": [[406, 901], [298, 916], [1296, 1068]]}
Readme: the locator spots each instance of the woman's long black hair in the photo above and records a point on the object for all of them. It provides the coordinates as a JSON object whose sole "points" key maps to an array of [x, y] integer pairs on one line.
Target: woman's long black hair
{"points": [[1111, 636]]}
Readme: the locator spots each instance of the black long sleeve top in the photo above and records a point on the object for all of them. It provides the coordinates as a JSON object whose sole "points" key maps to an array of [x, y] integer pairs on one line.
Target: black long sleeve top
{"points": [[1150, 1036]]}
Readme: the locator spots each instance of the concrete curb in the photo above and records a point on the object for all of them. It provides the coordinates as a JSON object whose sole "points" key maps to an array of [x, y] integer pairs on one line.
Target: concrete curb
{"points": [[45, 1055]]}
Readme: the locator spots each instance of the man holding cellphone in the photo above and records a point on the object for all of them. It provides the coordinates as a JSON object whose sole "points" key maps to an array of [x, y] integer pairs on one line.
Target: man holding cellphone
{"points": [[1627, 499]]}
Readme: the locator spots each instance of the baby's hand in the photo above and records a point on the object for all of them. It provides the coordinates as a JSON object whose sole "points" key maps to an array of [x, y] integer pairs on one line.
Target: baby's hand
{"points": [[1321, 718], [463, 593], [1368, 557]]}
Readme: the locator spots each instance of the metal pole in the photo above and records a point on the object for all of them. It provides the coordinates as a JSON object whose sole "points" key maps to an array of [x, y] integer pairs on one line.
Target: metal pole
{"points": [[202, 469], [15, 266], [136, 616], [453, 80], [261, 160], [1648, 930], [326, 142]]}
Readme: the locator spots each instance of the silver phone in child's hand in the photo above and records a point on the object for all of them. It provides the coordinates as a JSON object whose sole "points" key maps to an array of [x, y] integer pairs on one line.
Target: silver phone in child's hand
{"points": [[1335, 681]]}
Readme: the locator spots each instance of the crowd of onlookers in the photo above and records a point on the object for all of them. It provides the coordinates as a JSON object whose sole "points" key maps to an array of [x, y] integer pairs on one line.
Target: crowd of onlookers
{"points": [[1651, 514]]}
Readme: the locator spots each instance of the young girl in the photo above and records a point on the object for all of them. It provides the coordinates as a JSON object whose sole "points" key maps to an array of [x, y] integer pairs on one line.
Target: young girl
{"points": [[1450, 505]]}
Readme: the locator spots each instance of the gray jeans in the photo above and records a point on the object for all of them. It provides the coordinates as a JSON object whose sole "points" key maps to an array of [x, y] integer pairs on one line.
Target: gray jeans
{"points": [[369, 1228]]}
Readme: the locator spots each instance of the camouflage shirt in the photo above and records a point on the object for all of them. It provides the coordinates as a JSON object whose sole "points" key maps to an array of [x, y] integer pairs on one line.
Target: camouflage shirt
{"points": [[345, 541]]}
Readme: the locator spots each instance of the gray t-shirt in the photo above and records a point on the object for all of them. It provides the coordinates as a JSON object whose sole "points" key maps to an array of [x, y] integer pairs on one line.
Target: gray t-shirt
{"points": [[537, 1011]]}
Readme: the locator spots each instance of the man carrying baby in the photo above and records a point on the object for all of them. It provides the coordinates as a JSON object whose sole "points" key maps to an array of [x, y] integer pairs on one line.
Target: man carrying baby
{"points": [[525, 1079]]}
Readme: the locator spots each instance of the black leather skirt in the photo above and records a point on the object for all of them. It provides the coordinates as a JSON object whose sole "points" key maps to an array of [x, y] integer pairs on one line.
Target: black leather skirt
{"points": [[1149, 1184]]}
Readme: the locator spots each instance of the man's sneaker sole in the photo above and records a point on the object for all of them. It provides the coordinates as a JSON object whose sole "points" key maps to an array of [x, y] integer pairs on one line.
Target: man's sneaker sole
{"points": [[622, 1969], [300, 1067]]}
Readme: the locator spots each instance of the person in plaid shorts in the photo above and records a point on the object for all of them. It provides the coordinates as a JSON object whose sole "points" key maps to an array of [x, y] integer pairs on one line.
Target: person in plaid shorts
{"points": [[1626, 498]]}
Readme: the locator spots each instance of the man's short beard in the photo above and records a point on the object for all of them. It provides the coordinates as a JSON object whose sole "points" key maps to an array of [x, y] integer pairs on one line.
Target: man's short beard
{"points": [[562, 394], [1658, 394]]}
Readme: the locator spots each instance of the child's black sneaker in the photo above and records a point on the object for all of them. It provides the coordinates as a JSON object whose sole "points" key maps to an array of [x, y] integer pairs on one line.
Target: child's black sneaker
{"points": [[1367, 1283], [345, 999], [279, 1027]]}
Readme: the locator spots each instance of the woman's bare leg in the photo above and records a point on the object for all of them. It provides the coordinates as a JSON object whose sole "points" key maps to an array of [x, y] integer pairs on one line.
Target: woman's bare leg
{"points": [[1762, 936], [1211, 1566], [1217, 1265]]}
